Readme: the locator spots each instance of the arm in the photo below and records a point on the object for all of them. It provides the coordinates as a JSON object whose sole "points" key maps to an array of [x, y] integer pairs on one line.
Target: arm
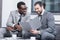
{"points": [[50, 24], [10, 23], [10, 20]]}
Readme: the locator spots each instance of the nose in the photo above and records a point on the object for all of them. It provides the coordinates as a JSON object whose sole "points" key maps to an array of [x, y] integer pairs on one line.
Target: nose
{"points": [[25, 10], [36, 10]]}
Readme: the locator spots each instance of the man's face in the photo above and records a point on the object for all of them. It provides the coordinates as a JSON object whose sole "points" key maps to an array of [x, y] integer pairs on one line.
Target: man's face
{"points": [[23, 9], [38, 9]]}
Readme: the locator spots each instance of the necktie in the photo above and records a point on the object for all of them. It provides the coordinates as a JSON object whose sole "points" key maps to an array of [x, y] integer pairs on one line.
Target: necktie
{"points": [[40, 19], [19, 19]]}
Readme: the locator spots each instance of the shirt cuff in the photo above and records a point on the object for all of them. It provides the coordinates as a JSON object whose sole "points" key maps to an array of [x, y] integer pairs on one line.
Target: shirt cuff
{"points": [[39, 32], [13, 25]]}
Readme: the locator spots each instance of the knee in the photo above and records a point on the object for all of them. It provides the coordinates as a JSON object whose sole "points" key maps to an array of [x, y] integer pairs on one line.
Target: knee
{"points": [[27, 35], [47, 36], [2, 30]]}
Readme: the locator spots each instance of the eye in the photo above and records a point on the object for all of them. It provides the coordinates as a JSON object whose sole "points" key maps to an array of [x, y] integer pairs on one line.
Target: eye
{"points": [[36, 8]]}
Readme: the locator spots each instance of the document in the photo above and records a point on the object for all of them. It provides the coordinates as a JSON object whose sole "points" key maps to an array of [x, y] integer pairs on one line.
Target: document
{"points": [[35, 23], [25, 26]]}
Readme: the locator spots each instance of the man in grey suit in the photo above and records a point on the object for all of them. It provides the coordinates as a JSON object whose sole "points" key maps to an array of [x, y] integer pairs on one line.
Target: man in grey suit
{"points": [[17, 16], [47, 26]]}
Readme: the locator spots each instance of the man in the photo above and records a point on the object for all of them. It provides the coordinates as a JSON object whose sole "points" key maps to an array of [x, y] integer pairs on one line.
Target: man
{"points": [[47, 26], [17, 16]]}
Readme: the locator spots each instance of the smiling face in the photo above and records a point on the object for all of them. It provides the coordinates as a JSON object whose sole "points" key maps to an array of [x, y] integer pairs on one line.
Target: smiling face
{"points": [[38, 8], [22, 9]]}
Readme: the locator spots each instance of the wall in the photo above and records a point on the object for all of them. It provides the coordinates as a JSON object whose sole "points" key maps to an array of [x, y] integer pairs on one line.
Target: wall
{"points": [[0, 11]]}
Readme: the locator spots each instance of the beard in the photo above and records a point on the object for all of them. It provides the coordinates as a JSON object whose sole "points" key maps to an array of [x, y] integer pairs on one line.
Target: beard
{"points": [[22, 13], [39, 13]]}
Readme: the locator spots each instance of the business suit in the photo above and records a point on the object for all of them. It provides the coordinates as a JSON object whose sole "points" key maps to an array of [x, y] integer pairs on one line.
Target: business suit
{"points": [[14, 19], [47, 28]]}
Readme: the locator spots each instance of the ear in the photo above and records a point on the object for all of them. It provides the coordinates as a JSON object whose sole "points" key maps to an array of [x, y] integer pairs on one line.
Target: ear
{"points": [[42, 7]]}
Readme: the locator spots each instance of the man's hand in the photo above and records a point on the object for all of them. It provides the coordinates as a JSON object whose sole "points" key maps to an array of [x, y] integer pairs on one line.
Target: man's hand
{"points": [[34, 32], [10, 28], [18, 27]]}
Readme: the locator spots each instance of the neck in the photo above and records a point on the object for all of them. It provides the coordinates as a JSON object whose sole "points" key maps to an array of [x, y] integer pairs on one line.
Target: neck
{"points": [[42, 12], [20, 13], [39, 13]]}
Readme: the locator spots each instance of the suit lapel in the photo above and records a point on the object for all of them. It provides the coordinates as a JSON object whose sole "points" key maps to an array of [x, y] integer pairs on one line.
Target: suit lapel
{"points": [[16, 17], [43, 17]]}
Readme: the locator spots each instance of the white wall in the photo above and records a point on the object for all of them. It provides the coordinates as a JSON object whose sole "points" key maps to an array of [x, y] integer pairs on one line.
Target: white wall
{"points": [[0, 11], [28, 4], [10, 5]]}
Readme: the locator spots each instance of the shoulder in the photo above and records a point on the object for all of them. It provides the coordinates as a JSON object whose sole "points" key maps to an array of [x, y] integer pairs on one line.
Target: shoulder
{"points": [[50, 15], [13, 12]]}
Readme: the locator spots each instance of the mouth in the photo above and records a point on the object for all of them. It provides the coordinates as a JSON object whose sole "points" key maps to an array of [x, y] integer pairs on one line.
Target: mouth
{"points": [[24, 13]]}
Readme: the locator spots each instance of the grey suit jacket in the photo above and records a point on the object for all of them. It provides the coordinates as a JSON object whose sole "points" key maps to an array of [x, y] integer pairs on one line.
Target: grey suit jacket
{"points": [[14, 17], [47, 23]]}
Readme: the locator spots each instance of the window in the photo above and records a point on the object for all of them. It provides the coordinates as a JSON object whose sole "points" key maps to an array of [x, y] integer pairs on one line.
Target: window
{"points": [[51, 5]]}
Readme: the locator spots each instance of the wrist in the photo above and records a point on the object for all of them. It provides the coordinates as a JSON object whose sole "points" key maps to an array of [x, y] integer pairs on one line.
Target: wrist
{"points": [[38, 32]]}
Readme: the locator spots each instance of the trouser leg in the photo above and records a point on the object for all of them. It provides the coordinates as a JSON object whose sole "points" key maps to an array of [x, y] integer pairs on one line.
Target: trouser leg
{"points": [[47, 36]]}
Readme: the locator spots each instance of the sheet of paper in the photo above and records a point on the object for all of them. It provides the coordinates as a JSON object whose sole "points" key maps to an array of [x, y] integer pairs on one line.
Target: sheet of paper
{"points": [[26, 26], [35, 23]]}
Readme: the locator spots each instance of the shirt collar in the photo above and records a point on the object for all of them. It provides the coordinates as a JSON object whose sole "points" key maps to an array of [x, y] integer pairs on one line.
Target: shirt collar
{"points": [[42, 12], [20, 14]]}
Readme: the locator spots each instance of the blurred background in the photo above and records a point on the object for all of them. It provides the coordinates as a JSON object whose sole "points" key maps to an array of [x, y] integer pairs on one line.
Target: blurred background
{"points": [[9, 5]]}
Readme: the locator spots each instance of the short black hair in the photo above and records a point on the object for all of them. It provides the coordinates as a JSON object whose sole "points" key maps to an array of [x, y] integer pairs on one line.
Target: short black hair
{"points": [[19, 4], [40, 3]]}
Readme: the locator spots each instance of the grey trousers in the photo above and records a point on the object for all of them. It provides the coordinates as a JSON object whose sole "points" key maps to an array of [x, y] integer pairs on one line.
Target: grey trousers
{"points": [[47, 36], [43, 36]]}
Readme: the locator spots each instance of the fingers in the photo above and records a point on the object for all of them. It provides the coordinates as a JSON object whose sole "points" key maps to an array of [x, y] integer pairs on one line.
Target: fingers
{"points": [[10, 28], [18, 27]]}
